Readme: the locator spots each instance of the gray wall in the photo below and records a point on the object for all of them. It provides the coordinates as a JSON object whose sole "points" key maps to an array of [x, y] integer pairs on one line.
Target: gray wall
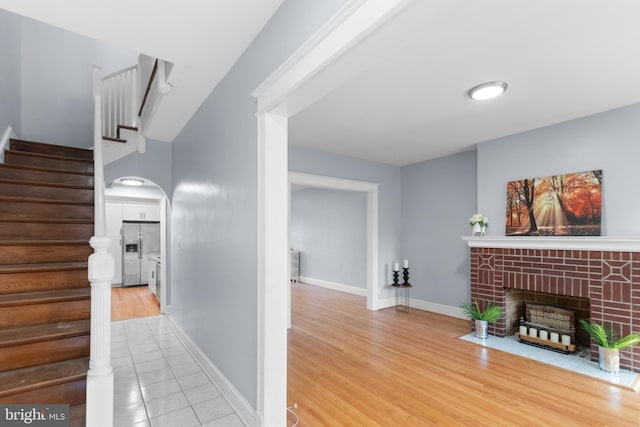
{"points": [[389, 198], [57, 103], [10, 98], [214, 222], [607, 141], [438, 197], [154, 164], [329, 228]]}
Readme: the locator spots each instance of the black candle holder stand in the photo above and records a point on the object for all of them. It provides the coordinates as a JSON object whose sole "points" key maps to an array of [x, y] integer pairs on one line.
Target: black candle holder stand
{"points": [[405, 276], [395, 278]]}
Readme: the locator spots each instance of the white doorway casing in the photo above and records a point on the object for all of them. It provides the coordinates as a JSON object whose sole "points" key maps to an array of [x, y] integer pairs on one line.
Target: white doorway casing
{"points": [[295, 85], [371, 190]]}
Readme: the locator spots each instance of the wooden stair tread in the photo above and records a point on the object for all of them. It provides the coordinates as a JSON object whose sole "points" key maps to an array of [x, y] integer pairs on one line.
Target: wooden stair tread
{"points": [[43, 169], [77, 415], [48, 220], [46, 266], [50, 156], [131, 128], [42, 242], [49, 201], [47, 332], [35, 377], [44, 184], [112, 139], [40, 147], [28, 298]]}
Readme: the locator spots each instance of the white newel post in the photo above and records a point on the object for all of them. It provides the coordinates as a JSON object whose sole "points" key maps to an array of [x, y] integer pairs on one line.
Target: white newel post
{"points": [[101, 271]]}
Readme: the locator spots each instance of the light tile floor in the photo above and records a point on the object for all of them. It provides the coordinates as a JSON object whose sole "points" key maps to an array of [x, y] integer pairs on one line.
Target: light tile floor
{"points": [[579, 362], [158, 383]]}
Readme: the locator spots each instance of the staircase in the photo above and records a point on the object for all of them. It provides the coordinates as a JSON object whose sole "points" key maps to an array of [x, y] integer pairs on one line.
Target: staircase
{"points": [[46, 221]]}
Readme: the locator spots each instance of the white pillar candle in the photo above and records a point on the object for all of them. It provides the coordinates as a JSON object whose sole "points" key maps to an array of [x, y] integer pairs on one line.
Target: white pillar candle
{"points": [[533, 332], [555, 337], [544, 335], [566, 340], [523, 330], [405, 263], [396, 266]]}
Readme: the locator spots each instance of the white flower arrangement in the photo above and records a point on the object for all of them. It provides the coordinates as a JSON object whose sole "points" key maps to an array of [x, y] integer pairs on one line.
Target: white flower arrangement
{"points": [[479, 219]]}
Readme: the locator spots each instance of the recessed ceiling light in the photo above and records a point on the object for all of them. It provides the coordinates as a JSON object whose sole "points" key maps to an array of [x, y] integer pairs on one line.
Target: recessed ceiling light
{"points": [[131, 181], [487, 90]]}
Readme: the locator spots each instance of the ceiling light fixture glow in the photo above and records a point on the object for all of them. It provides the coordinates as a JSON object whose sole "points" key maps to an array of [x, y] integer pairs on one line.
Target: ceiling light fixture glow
{"points": [[487, 90], [131, 181]]}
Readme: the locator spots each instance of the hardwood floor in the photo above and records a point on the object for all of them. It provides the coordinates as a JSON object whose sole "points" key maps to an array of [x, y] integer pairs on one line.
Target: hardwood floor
{"points": [[351, 367], [130, 303]]}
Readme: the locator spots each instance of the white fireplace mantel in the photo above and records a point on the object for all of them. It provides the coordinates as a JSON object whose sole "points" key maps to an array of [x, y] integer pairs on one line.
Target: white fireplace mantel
{"points": [[623, 244]]}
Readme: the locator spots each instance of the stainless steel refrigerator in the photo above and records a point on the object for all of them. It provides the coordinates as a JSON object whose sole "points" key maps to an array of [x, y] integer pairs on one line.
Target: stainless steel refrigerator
{"points": [[140, 240]]}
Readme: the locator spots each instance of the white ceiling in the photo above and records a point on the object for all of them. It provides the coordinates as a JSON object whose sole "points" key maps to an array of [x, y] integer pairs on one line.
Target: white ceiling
{"points": [[202, 38], [562, 59]]}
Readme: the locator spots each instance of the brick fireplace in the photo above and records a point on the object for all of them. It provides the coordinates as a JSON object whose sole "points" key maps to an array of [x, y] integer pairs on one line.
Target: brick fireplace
{"points": [[604, 271]]}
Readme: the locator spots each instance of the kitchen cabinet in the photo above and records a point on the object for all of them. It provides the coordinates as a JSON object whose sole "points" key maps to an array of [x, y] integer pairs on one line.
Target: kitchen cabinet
{"points": [[141, 212], [151, 271], [113, 217], [116, 251]]}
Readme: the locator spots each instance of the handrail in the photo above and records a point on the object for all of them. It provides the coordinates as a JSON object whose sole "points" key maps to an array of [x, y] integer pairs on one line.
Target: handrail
{"points": [[149, 84], [115, 73]]}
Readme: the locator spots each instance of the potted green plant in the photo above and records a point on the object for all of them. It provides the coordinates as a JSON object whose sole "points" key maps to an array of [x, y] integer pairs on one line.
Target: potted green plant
{"points": [[609, 345], [491, 313]]}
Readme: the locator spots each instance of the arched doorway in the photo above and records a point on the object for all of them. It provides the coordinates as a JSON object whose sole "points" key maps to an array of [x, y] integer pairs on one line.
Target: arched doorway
{"points": [[138, 199]]}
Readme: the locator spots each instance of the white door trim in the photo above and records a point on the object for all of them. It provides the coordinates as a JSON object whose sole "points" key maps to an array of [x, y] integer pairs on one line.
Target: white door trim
{"points": [[288, 90]]}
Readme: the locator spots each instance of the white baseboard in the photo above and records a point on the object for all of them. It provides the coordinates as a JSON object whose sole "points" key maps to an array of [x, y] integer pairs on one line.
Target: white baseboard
{"points": [[432, 307], [335, 286], [245, 411], [386, 303]]}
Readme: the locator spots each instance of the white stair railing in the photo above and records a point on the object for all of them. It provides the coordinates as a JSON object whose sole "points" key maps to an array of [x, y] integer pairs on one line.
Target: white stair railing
{"points": [[99, 407], [120, 99], [115, 99]]}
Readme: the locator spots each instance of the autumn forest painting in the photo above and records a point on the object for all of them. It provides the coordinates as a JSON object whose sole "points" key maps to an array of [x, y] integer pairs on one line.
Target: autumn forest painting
{"points": [[558, 205]]}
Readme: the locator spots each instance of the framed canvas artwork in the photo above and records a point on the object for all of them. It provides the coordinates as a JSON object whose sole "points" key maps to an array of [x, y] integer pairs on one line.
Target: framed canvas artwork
{"points": [[558, 205]]}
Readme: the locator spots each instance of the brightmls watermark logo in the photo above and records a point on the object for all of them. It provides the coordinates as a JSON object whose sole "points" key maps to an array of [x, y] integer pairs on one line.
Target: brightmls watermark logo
{"points": [[34, 415]]}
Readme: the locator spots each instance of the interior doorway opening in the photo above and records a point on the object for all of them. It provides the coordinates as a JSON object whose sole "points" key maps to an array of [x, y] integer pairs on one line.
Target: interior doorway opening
{"points": [[371, 191], [135, 199]]}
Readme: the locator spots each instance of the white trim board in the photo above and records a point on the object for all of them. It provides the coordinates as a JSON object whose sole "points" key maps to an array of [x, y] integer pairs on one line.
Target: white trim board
{"points": [[333, 286], [308, 75], [244, 410]]}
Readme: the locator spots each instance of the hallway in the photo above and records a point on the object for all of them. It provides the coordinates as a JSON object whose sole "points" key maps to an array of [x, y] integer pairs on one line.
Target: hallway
{"points": [[158, 383]]}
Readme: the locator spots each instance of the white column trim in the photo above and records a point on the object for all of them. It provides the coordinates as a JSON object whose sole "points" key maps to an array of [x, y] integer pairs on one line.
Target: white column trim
{"points": [[372, 250], [272, 269], [351, 25]]}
